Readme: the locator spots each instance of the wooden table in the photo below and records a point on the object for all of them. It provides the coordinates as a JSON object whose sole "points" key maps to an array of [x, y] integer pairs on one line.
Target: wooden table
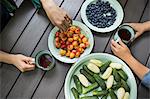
{"points": [[27, 33]]}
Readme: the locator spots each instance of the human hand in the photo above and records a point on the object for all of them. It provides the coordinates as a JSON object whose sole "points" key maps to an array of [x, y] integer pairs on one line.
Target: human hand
{"points": [[120, 50], [57, 16], [138, 27], [22, 62]]}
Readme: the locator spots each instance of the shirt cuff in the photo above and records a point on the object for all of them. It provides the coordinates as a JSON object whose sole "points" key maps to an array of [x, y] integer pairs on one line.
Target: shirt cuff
{"points": [[146, 80], [37, 4]]}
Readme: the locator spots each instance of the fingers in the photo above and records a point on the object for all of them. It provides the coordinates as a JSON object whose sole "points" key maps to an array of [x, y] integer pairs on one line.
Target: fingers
{"points": [[29, 60], [68, 20], [113, 48], [121, 43], [63, 27], [66, 23], [115, 44], [26, 67]]}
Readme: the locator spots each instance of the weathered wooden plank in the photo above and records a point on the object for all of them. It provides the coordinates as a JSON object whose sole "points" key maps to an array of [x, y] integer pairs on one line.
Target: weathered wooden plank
{"points": [[35, 29], [142, 53], [9, 36], [62, 94], [16, 25], [19, 2], [25, 46], [140, 48], [54, 79]]}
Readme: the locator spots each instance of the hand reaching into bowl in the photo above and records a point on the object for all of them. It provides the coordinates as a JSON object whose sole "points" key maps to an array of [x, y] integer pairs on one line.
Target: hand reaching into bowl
{"points": [[57, 16]]}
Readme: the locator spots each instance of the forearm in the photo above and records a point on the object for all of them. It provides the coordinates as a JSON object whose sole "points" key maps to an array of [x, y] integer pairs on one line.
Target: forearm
{"points": [[47, 4], [139, 69], [6, 58], [146, 26]]}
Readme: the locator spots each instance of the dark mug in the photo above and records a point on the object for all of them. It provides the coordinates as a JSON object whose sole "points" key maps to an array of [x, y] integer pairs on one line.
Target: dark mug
{"points": [[44, 60], [126, 33]]}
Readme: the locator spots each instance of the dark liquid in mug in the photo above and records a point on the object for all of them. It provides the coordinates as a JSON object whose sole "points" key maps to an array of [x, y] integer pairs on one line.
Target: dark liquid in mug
{"points": [[124, 34], [45, 60]]}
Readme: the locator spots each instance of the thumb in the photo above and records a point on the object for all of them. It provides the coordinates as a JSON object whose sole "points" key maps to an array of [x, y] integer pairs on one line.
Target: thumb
{"points": [[137, 34], [121, 43]]}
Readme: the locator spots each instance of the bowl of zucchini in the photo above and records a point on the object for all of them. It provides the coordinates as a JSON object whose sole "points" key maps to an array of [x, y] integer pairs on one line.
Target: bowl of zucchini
{"points": [[100, 76]]}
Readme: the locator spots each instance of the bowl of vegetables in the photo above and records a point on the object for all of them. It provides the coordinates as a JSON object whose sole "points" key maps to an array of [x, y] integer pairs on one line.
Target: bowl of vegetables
{"points": [[72, 44], [102, 15], [100, 76]]}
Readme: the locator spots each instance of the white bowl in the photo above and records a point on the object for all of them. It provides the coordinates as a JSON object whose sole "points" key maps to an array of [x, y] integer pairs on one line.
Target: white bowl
{"points": [[119, 11], [55, 52], [75, 69]]}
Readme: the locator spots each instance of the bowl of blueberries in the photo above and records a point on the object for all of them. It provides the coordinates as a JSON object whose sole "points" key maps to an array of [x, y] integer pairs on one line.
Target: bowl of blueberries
{"points": [[102, 15]]}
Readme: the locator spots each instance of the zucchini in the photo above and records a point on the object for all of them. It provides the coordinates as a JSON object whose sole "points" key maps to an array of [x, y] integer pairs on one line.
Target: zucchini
{"points": [[120, 93], [84, 81], [112, 94], [87, 75], [110, 81], [104, 97], [87, 70], [100, 93], [78, 84], [96, 62], [125, 85], [89, 97], [105, 66], [116, 86], [75, 93], [100, 81], [90, 88], [126, 96], [123, 75], [93, 68], [115, 65], [116, 75], [107, 73]]}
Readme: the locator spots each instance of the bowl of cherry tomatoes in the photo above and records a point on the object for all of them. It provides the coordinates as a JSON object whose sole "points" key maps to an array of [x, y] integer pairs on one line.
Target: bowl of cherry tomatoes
{"points": [[69, 46]]}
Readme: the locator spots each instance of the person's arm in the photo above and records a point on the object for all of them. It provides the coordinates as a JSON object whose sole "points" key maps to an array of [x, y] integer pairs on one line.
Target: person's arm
{"points": [[122, 51], [146, 26], [140, 28], [139, 69], [57, 16], [20, 61], [6, 58]]}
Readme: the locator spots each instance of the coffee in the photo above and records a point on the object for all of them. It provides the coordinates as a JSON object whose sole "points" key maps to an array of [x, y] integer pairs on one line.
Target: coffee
{"points": [[124, 34], [45, 60]]}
